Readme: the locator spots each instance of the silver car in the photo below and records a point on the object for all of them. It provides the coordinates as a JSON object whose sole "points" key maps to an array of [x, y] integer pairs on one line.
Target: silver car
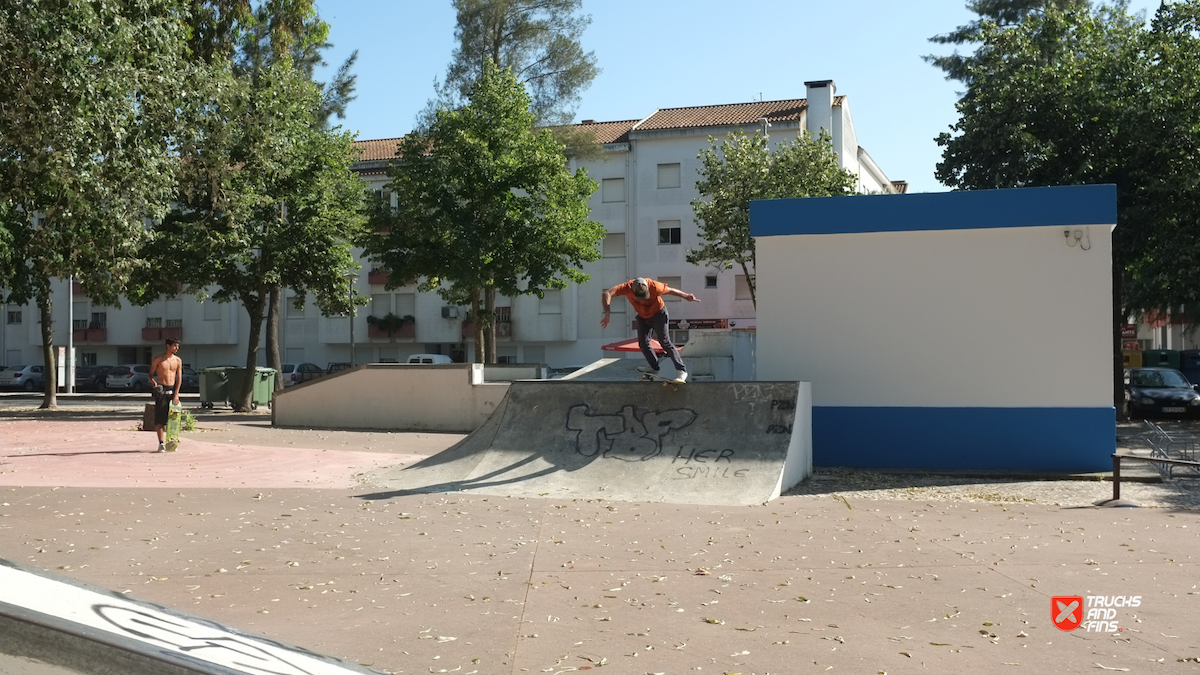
{"points": [[130, 377], [29, 378]]}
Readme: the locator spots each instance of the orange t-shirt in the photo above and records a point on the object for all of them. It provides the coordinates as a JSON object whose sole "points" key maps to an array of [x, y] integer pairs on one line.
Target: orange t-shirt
{"points": [[649, 307]]}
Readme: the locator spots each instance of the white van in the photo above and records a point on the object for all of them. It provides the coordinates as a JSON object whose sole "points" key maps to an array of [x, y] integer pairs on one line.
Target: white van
{"points": [[429, 358]]}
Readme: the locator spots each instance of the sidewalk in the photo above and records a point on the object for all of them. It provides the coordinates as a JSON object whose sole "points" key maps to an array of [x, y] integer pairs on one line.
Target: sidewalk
{"points": [[272, 531]]}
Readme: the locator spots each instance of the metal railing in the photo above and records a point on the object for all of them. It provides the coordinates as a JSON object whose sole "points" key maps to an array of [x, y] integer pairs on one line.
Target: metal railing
{"points": [[1116, 473]]}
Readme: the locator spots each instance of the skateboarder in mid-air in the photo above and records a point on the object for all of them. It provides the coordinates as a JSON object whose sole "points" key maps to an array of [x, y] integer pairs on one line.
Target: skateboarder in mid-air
{"points": [[646, 297]]}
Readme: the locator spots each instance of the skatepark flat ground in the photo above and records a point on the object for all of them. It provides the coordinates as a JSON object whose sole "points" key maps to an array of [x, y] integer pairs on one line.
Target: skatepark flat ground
{"points": [[273, 531]]}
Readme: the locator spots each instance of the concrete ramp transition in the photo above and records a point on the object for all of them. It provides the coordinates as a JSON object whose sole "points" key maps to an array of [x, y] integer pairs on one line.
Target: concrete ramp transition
{"points": [[55, 625], [701, 443]]}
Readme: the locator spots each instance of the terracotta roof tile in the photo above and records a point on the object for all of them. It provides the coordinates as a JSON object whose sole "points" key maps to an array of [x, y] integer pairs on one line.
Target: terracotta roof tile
{"points": [[722, 115], [375, 150], [609, 132]]}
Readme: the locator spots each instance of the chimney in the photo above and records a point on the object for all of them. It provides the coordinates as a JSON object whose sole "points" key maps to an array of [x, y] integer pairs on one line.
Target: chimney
{"points": [[820, 106]]}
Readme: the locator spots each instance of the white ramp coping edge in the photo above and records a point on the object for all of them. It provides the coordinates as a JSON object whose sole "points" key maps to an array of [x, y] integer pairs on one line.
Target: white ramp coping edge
{"points": [[89, 629]]}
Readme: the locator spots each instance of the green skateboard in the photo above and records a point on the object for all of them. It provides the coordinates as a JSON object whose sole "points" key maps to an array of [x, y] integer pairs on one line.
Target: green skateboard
{"points": [[174, 422]]}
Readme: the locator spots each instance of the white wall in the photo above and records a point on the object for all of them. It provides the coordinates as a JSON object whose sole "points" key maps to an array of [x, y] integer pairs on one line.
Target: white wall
{"points": [[980, 317]]}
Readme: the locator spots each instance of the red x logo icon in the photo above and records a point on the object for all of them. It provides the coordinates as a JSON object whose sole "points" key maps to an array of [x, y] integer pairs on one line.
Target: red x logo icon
{"points": [[1066, 611]]}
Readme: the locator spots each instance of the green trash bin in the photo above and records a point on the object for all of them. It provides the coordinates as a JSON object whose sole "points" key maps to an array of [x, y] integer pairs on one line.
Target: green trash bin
{"points": [[214, 386], [262, 389], [1161, 358]]}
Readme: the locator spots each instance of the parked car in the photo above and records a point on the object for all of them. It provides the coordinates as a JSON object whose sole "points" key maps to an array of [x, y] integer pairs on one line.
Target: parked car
{"points": [[29, 378], [295, 373], [337, 367], [91, 378], [428, 358], [191, 380], [130, 377], [1160, 391]]}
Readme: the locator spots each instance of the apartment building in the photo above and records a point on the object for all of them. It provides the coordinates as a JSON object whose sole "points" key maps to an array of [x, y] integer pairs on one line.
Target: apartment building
{"points": [[646, 183]]}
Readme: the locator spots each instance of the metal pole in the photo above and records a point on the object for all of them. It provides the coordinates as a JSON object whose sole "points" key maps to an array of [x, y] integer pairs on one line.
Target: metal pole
{"points": [[351, 286], [69, 366], [1116, 477]]}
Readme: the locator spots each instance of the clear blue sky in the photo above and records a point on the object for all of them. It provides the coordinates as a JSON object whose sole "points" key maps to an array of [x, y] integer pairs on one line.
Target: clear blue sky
{"points": [[674, 53]]}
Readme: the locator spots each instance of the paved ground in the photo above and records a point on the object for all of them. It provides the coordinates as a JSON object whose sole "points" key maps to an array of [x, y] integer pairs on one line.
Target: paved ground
{"points": [[273, 531]]}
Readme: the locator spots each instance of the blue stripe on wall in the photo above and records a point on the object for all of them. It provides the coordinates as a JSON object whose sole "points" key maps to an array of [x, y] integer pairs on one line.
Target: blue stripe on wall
{"points": [[971, 209], [1006, 439]]}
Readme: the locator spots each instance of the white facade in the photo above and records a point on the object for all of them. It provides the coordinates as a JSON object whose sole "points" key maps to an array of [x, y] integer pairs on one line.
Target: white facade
{"points": [[959, 330], [646, 183]]}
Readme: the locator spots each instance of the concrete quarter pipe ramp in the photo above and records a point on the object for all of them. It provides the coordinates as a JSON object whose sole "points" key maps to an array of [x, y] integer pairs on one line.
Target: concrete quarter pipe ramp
{"points": [[702, 443]]}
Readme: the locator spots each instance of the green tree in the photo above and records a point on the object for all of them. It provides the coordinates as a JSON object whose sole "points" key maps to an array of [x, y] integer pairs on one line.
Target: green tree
{"points": [[267, 197], [538, 40], [999, 12], [742, 168], [488, 207], [302, 35], [91, 98], [1078, 95]]}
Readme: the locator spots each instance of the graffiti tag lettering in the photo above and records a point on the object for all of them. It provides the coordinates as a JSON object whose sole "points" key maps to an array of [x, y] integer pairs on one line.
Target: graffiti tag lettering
{"points": [[210, 644], [625, 435]]}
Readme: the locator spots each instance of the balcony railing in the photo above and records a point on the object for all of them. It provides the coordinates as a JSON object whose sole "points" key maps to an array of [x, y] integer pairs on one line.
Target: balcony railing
{"points": [[377, 277], [408, 330]]}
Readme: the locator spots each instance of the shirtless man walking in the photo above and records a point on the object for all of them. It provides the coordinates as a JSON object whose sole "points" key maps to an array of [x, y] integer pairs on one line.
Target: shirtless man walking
{"points": [[166, 374]]}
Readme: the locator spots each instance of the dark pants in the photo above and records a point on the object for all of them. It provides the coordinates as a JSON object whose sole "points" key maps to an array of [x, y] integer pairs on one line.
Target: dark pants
{"points": [[658, 324], [162, 404]]}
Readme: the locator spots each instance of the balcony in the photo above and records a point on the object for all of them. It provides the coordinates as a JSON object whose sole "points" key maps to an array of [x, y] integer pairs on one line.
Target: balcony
{"points": [[152, 334], [97, 335], [391, 326], [379, 277], [379, 332], [172, 332]]}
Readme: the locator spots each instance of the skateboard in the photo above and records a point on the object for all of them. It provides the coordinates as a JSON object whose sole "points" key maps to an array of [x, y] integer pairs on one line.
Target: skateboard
{"points": [[174, 422], [650, 377]]}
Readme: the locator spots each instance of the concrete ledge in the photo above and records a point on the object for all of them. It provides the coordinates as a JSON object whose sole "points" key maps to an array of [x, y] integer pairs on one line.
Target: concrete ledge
{"points": [[450, 398]]}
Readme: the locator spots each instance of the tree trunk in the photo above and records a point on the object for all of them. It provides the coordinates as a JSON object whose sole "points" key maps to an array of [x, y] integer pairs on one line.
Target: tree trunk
{"points": [[273, 361], [44, 306], [750, 285], [489, 330], [241, 400], [477, 319]]}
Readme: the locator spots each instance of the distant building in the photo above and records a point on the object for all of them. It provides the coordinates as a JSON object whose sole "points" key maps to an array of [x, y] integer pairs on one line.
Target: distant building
{"points": [[646, 185], [647, 181]]}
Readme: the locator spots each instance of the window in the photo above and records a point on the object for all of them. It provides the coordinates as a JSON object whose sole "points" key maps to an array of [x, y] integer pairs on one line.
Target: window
{"points": [[292, 311], [406, 304], [87, 359], [710, 281], [212, 310], [154, 322], [551, 302], [668, 176], [669, 232], [535, 354], [14, 317], [174, 323], [741, 288], [381, 305], [612, 190], [79, 324], [99, 320], [506, 354], [673, 282], [614, 245]]}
